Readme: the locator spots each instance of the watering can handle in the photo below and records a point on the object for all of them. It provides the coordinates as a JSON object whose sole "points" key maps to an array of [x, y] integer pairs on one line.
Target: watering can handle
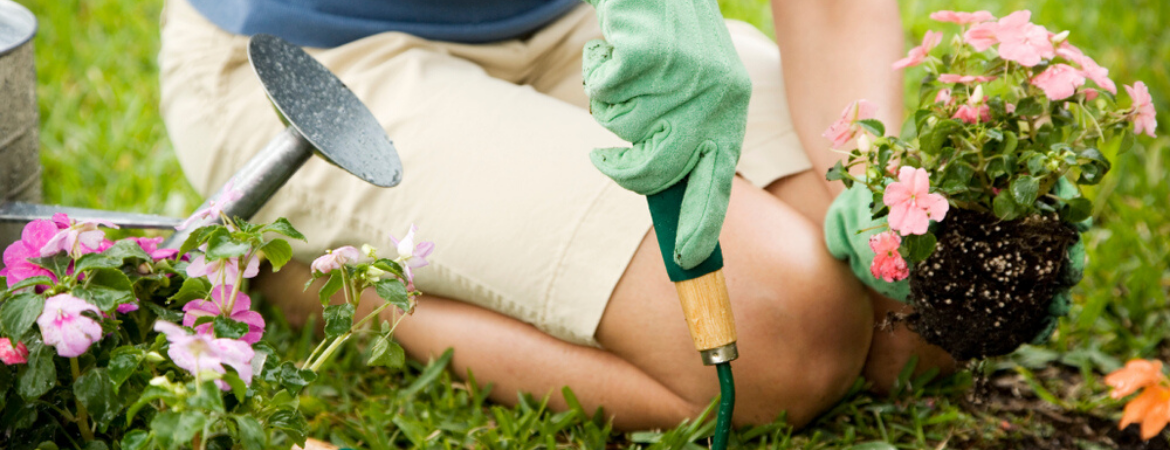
{"points": [[702, 290]]}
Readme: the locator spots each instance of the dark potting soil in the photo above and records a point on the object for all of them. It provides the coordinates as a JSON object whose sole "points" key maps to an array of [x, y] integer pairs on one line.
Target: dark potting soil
{"points": [[987, 287]]}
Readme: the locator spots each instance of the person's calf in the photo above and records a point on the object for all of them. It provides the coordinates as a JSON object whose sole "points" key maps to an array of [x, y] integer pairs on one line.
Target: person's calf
{"points": [[894, 345]]}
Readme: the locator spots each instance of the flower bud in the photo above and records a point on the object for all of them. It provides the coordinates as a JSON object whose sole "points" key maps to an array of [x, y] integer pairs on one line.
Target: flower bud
{"points": [[1060, 37], [160, 380], [932, 121], [154, 357], [369, 251], [373, 273], [864, 143], [976, 95]]}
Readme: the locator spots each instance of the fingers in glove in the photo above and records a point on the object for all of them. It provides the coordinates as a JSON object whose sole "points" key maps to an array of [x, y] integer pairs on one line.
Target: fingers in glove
{"points": [[704, 205], [651, 165]]}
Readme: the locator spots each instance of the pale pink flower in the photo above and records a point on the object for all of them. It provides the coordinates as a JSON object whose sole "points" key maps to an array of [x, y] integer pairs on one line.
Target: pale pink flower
{"points": [[1022, 41], [10, 355], [912, 206], [962, 18], [334, 259], [217, 306], [887, 263], [943, 96], [127, 307], [16, 257], [982, 36], [964, 79], [1059, 81], [214, 207], [1144, 117], [846, 128], [1089, 68], [78, 238], [1009, 107], [918, 54], [412, 256], [973, 112], [199, 352], [222, 271], [64, 327]]}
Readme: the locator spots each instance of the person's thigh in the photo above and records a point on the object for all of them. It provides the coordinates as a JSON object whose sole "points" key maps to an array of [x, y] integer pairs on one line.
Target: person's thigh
{"points": [[804, 322]]}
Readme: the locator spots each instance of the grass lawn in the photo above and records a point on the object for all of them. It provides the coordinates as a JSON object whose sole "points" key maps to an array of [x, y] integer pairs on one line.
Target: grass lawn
{"points": [[104, 146]]}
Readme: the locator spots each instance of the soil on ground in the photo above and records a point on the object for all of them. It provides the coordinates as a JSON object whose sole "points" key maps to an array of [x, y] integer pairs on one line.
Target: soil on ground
{"points": [[988, 285]]}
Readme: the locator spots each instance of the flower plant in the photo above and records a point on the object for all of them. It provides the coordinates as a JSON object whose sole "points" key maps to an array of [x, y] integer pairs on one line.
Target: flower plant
{"points": [[121, 344], [1013, 121]]}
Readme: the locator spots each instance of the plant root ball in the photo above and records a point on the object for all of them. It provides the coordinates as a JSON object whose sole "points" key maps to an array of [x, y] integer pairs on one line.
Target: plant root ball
{"points": [[987, 288]]}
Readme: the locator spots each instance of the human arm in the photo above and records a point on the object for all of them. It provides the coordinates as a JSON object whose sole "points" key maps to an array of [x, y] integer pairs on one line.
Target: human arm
{"points": [[837, 51]]}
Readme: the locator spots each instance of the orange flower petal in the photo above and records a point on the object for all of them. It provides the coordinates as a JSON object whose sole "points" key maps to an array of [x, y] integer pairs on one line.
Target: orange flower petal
{"points": [[1135, 375], [1159, 413], [1136, 409]]}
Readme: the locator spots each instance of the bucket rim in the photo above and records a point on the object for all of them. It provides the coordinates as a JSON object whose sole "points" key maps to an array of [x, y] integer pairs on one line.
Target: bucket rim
{"points": [[16, 16]]}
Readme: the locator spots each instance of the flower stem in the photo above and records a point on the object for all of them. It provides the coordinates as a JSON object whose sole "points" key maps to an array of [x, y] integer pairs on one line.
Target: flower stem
{"points": [[82, 414]]}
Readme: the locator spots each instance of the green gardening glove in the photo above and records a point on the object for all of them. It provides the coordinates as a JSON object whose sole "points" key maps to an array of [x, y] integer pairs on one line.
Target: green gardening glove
{"points": [[669, 81], [850, 212]]}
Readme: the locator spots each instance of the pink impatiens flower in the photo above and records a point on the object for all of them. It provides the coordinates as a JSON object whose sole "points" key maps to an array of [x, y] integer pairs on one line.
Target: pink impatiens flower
{"points": [[222, 271], [200, 352], [943, 96], [10, 354], [918, 54], [1023, 41], [964, 79], [1059, 81], [962, 18], [63, 326], [982, 36], [150, 246], [214, 207], [1089, 68], [973, 112], [17, 267], [1144, 118], [218, 306], [334, 259], [846, 128], [887, 263], [78, 238], [410, 255], [912, 206]]}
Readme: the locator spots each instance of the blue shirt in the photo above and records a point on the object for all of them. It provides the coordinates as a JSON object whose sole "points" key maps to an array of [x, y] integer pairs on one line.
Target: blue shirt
{"points": [[330, 23]]}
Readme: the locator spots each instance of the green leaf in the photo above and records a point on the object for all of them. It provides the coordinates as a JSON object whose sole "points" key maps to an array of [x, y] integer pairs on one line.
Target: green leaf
{"points": [[97, 261], [331, 286], [123, 361], [295, 379], [164, 427], [239, 389], [166, 314], [19, 313], [39, 375], [387, 353], [283, 226], [126, 249], [58, 263], [1010, 142], [1004, 207], [96, 445], [873, 126], [939, 137], [1076, 210], [292, 423], [278, 252], [192, 289], [838, 173], [104, 298], [919, 247], [1029, 106], [96, 392], [1024, 190], [228, 328], [39, 280], [338, 319], [1128, 141], [136, 440], [1065, 189], [1094, 166], [150, 394], [198, 237], [190, 423], [221, 245], [208, 398], [393, 291], [251, 434], [957, 177]]}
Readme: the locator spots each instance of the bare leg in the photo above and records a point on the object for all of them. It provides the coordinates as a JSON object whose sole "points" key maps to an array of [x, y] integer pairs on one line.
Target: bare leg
{"points": [[891, 348], [803, 327]]}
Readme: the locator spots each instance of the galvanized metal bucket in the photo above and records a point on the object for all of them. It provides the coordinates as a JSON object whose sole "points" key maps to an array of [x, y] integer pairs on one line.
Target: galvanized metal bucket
{"points": [[20, 165]]}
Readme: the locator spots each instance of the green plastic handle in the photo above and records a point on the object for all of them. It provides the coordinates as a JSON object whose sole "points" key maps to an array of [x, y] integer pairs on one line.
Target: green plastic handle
{"points": [[665, 207]]}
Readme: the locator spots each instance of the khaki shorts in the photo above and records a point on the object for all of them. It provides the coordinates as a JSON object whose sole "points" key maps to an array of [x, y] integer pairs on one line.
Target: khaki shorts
{"points": [[494, 141]]}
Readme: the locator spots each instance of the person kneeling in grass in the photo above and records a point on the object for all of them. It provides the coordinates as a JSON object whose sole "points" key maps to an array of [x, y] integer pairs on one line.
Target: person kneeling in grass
{"points": [[547, 273]]}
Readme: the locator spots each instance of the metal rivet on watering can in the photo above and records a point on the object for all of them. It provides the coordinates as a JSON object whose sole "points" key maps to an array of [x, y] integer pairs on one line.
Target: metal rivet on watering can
{"points": [[20, 165], [323, 117]]}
